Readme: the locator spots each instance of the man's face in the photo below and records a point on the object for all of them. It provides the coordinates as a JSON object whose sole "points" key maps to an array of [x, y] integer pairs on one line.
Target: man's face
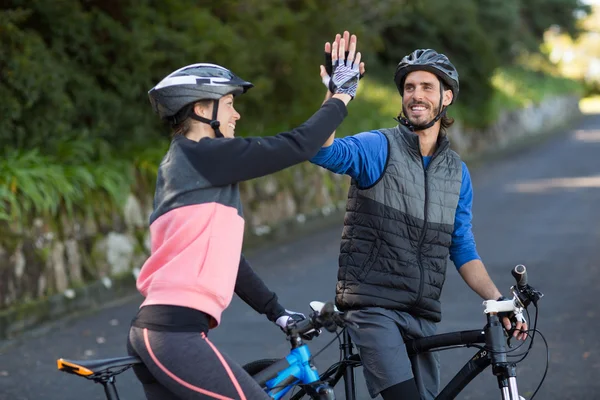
{"points": [[420, 103]]}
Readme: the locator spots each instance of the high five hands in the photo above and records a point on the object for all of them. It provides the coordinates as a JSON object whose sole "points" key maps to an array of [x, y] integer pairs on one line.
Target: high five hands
{"points": [[343, 68]]}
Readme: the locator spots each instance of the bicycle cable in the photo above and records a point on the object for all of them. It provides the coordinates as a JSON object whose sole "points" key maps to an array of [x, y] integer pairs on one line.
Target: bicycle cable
{"points": [[547, 365], [534, 329], [547, 357], [531, 338], [512, 349], [337, 337], [526, 353], [340, 345]]}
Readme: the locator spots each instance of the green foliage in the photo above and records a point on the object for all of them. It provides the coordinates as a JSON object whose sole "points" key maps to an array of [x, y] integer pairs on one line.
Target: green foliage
{"points": [[81, 69], [479, 36], [512, 88], [592, 88], [76, 126], [76, 179], [524, 86], [539, 15]]}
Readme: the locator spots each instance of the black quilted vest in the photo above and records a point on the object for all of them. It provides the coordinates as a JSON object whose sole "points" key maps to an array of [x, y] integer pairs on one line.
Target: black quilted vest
{"points": [[397, 232]]}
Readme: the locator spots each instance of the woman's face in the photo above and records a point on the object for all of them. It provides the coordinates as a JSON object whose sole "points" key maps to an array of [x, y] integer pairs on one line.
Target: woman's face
{"points": [[227, 116]]}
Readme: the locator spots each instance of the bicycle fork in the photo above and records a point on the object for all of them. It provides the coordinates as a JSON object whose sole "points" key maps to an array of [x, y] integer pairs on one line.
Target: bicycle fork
{"points": [[507, 382]]}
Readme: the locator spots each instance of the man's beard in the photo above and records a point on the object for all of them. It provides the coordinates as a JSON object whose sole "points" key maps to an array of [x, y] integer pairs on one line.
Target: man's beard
{"points": [[428, 118]]}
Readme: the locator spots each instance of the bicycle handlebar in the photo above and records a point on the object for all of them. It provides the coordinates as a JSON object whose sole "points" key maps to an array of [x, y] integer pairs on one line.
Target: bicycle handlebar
{"points": [[523, 295], [520, 275], [330, 318], [327, 317]]}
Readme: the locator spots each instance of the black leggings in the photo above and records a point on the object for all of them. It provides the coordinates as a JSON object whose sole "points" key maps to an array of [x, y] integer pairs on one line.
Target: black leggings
{"points": [[186, 365]]}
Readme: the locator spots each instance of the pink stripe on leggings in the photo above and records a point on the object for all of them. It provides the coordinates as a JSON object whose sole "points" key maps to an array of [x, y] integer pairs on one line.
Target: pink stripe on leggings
{"points": [[181, 381], [226, 366]]}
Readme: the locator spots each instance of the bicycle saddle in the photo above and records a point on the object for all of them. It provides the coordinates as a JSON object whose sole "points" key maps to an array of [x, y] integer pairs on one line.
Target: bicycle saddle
{"points": [[90, 368]]}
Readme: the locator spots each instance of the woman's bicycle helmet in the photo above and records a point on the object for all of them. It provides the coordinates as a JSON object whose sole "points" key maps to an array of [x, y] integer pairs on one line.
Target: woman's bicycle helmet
{"points": [[193, 83]]}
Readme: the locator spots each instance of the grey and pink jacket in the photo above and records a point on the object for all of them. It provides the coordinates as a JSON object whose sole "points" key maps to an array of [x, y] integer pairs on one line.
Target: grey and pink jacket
{"points": [[197, 223]]}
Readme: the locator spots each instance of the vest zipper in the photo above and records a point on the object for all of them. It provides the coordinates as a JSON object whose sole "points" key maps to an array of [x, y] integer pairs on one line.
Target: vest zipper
{"points": [[422, 238], [439, 149]]}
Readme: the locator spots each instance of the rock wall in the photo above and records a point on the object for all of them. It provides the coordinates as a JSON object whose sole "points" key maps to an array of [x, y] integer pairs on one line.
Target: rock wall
{"points": [[515, 125]]}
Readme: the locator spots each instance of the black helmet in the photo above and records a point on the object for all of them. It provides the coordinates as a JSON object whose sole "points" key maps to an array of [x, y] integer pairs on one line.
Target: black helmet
{"points": [[192, 83], [431, 61]]}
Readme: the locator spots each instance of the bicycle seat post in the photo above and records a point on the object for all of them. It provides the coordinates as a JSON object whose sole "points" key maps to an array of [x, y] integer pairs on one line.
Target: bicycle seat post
{"points": [[110, 389]]}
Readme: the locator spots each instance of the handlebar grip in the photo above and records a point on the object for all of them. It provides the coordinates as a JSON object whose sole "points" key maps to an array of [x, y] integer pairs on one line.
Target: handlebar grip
{"points": [[520, 275], [304, 326]]}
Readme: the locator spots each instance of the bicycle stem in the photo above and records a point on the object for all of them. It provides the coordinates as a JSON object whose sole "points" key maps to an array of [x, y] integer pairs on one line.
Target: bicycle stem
{"points": [[494, 340], [504, 371]]}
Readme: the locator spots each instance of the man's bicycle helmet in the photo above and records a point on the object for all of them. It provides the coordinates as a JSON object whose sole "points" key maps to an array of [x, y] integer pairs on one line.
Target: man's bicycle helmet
{"points": [[193, 83], [431, 61]]}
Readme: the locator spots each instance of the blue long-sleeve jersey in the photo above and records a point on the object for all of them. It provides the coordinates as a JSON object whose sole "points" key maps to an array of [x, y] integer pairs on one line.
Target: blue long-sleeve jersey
{"points": [[363, 157]]}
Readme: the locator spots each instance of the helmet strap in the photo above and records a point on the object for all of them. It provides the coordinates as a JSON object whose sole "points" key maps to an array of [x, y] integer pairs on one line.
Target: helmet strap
{"points": [[214, 123]]}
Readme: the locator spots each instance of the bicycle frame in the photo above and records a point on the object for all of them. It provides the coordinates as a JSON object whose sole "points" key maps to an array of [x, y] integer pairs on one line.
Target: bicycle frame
{"points": [[288, 372], [494, 353]]}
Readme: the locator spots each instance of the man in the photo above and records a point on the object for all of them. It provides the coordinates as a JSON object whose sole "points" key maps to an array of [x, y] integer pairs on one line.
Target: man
{"points": [[409, 207]]}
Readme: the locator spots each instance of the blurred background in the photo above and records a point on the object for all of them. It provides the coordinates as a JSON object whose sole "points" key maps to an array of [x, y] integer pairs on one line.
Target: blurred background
{"points": [[81, 145]]}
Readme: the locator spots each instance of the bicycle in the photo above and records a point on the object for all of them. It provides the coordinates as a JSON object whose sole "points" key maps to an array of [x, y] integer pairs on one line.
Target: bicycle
{"points": [[279, 376]]}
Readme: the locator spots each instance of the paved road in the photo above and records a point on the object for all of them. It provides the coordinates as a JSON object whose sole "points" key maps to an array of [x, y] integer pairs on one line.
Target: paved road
{"points": [[539, 207]]}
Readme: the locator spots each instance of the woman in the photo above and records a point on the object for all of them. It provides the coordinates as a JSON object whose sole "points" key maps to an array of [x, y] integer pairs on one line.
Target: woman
{"points": [[197, 227]]}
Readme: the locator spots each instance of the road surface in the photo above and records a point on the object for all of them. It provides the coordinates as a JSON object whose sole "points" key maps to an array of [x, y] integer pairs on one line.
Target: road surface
{"points": [[540, 207]]}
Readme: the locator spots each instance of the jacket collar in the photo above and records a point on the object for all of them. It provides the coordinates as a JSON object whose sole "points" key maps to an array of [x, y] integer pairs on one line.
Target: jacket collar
{"points": [[412, 141]]}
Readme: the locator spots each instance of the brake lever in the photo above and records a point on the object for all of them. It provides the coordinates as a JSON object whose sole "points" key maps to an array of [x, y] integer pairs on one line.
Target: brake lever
{"points": [[527, 294], [310, 335], [513, 326]]}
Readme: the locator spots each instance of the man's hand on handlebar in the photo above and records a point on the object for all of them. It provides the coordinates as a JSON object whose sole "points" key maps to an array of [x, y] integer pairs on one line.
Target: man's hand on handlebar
{"points": [[524, 295], [519, 330], [514, 324]]}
